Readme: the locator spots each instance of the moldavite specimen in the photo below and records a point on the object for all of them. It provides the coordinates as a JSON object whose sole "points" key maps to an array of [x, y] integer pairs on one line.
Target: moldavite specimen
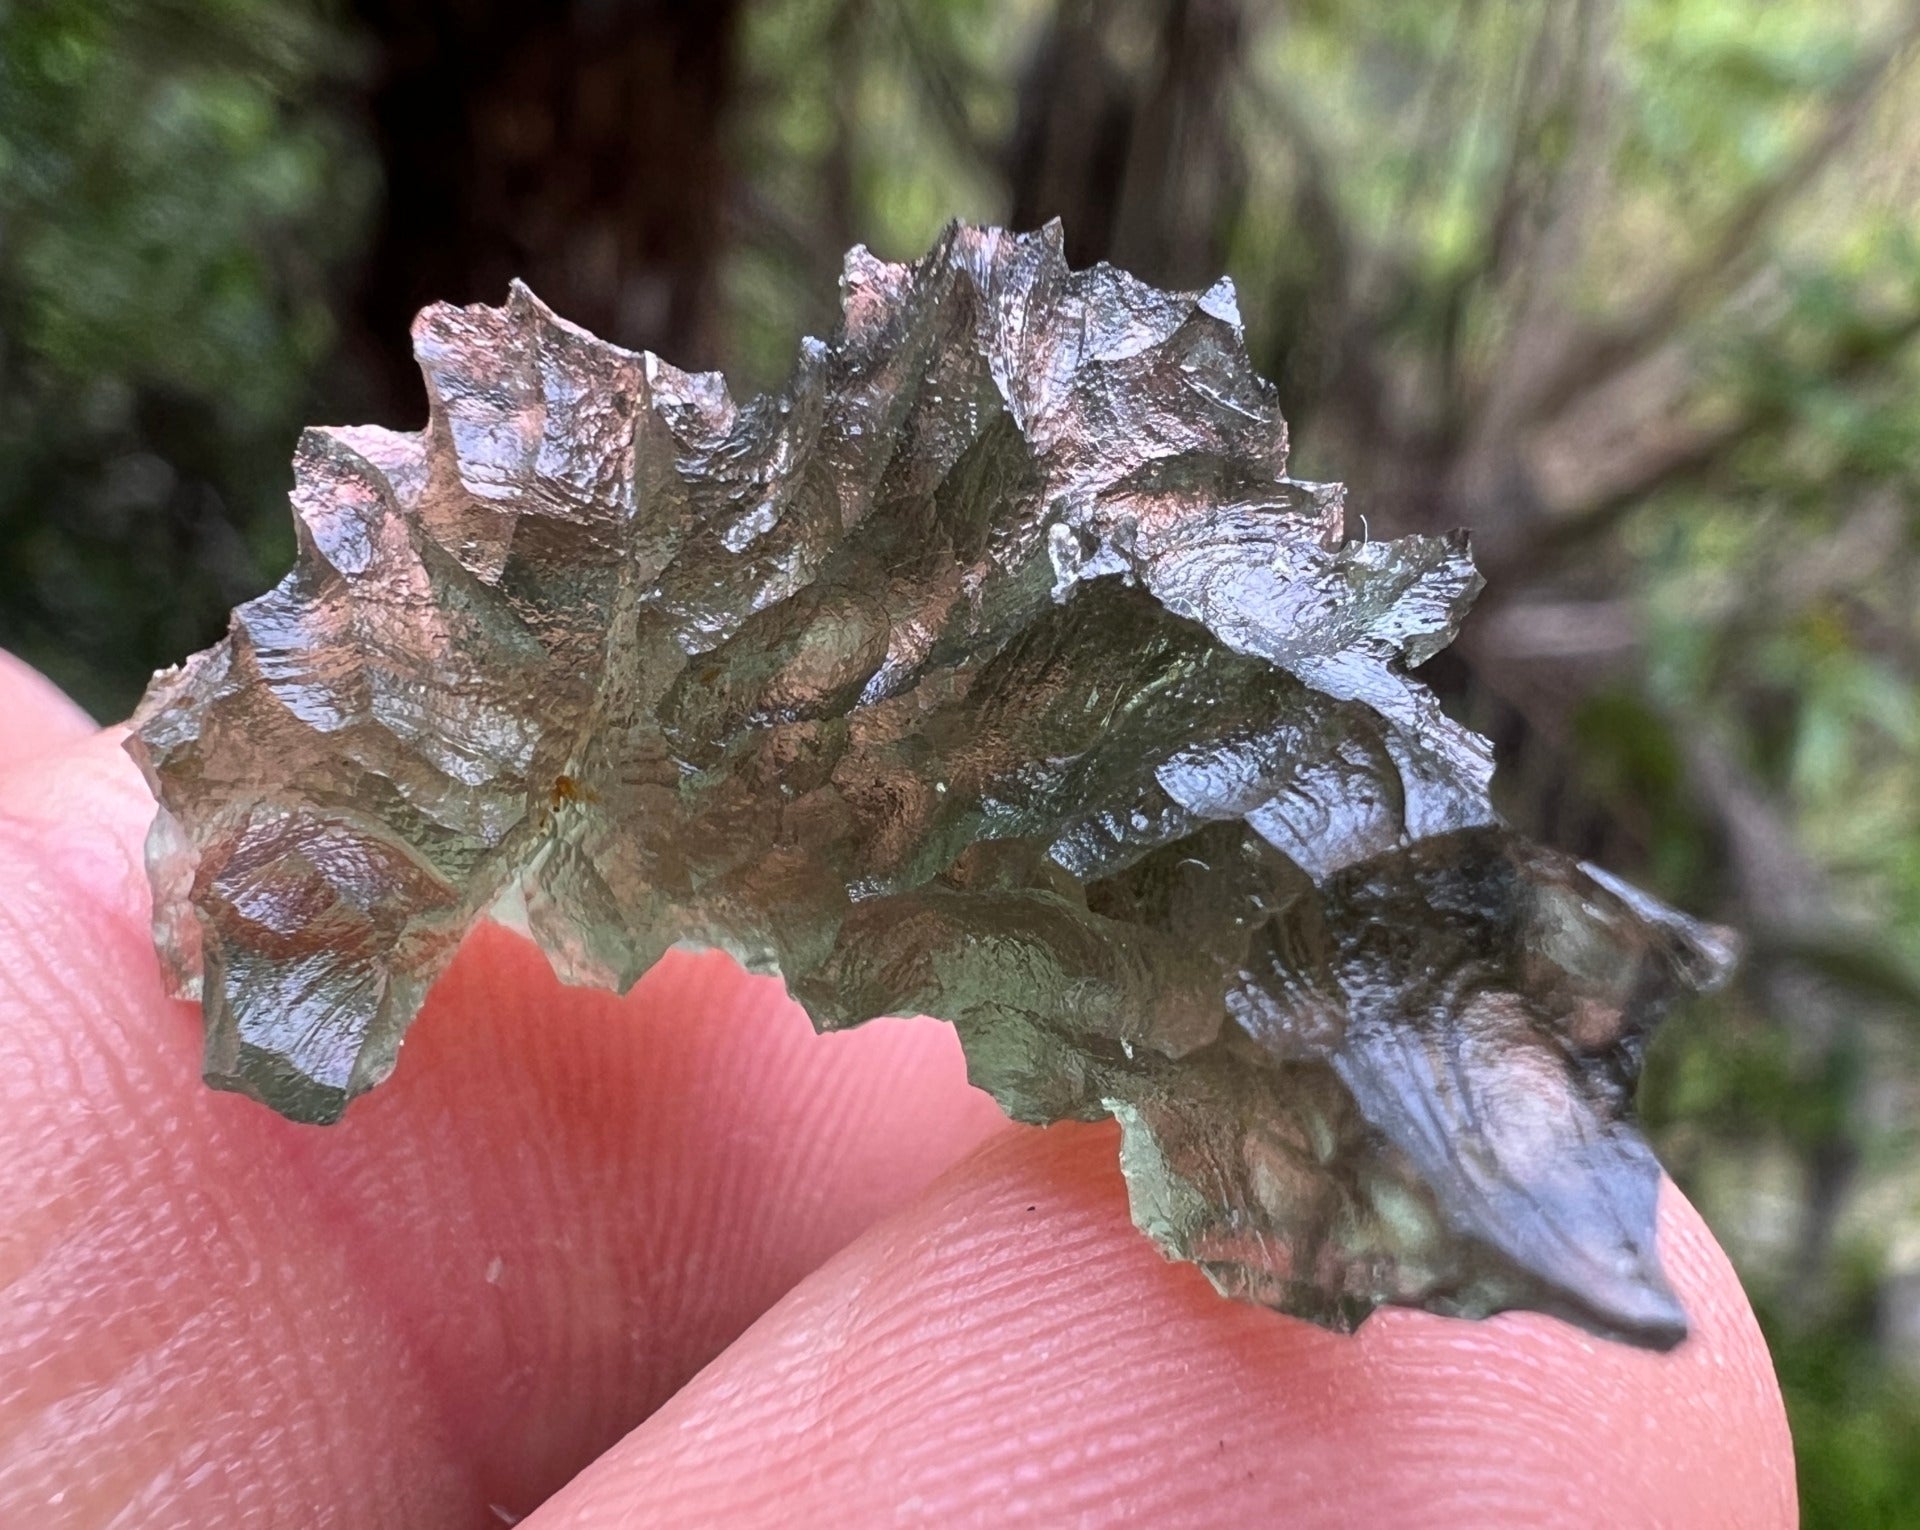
{"points": [[994, 669]]}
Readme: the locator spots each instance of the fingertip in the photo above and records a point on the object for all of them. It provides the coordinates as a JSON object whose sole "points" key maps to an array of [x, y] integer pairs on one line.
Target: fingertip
{"points": [[37, 714], [1011, 1351]]}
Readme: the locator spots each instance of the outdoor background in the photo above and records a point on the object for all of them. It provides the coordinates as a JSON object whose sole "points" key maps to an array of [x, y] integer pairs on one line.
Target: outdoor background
{"points": [[1629, 287]]}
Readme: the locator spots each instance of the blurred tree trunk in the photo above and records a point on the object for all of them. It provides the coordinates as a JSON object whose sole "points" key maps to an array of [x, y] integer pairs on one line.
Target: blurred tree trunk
{"points": [[1141, 165], [576, 144]]}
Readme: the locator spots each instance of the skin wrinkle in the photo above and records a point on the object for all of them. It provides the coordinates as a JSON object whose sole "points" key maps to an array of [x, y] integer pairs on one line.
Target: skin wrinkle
{"points": [[175, 1308], [114, 1155], [487, 1362], [35, 1176], [136, 1407], [684, 1322], [346, 1235], [276, 1338], [952, 1386]]}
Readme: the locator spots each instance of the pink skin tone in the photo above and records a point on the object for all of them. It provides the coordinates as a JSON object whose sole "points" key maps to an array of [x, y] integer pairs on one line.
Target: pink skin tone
{"points": [[674, 1260]]}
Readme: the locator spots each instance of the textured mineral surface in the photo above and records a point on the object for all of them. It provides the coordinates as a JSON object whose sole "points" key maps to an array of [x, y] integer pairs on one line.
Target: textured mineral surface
{"points": [[993, 669]]}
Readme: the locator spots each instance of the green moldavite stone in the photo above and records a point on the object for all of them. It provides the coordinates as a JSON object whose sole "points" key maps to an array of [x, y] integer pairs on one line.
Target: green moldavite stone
{"points": [[993, 669]]}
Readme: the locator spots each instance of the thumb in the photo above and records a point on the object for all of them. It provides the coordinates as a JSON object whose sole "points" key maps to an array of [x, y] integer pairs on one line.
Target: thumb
{"points": [[1011, 1351]]}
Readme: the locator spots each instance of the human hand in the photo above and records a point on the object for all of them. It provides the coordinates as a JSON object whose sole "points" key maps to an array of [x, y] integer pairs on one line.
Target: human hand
{"points": [[673, 1260]]}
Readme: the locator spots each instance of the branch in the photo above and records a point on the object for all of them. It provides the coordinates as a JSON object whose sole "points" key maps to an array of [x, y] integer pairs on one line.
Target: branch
{"points": [[1596, 356], [1321, 219], [939, 79], [1436, 134], [1546, 87], [1539, 326], [1685, 458]]}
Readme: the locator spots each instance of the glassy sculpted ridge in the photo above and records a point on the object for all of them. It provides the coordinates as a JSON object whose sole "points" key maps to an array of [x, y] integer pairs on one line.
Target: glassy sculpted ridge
{"points": [[993, 669]]}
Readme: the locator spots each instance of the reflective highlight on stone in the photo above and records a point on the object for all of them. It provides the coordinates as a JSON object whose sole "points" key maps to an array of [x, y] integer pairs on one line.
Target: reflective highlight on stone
{"points": [[993, 669]]}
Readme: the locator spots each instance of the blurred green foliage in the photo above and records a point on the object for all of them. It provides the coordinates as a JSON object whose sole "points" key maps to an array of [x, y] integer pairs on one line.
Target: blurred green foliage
{"points": [[1632, 287], [176, 194]]}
